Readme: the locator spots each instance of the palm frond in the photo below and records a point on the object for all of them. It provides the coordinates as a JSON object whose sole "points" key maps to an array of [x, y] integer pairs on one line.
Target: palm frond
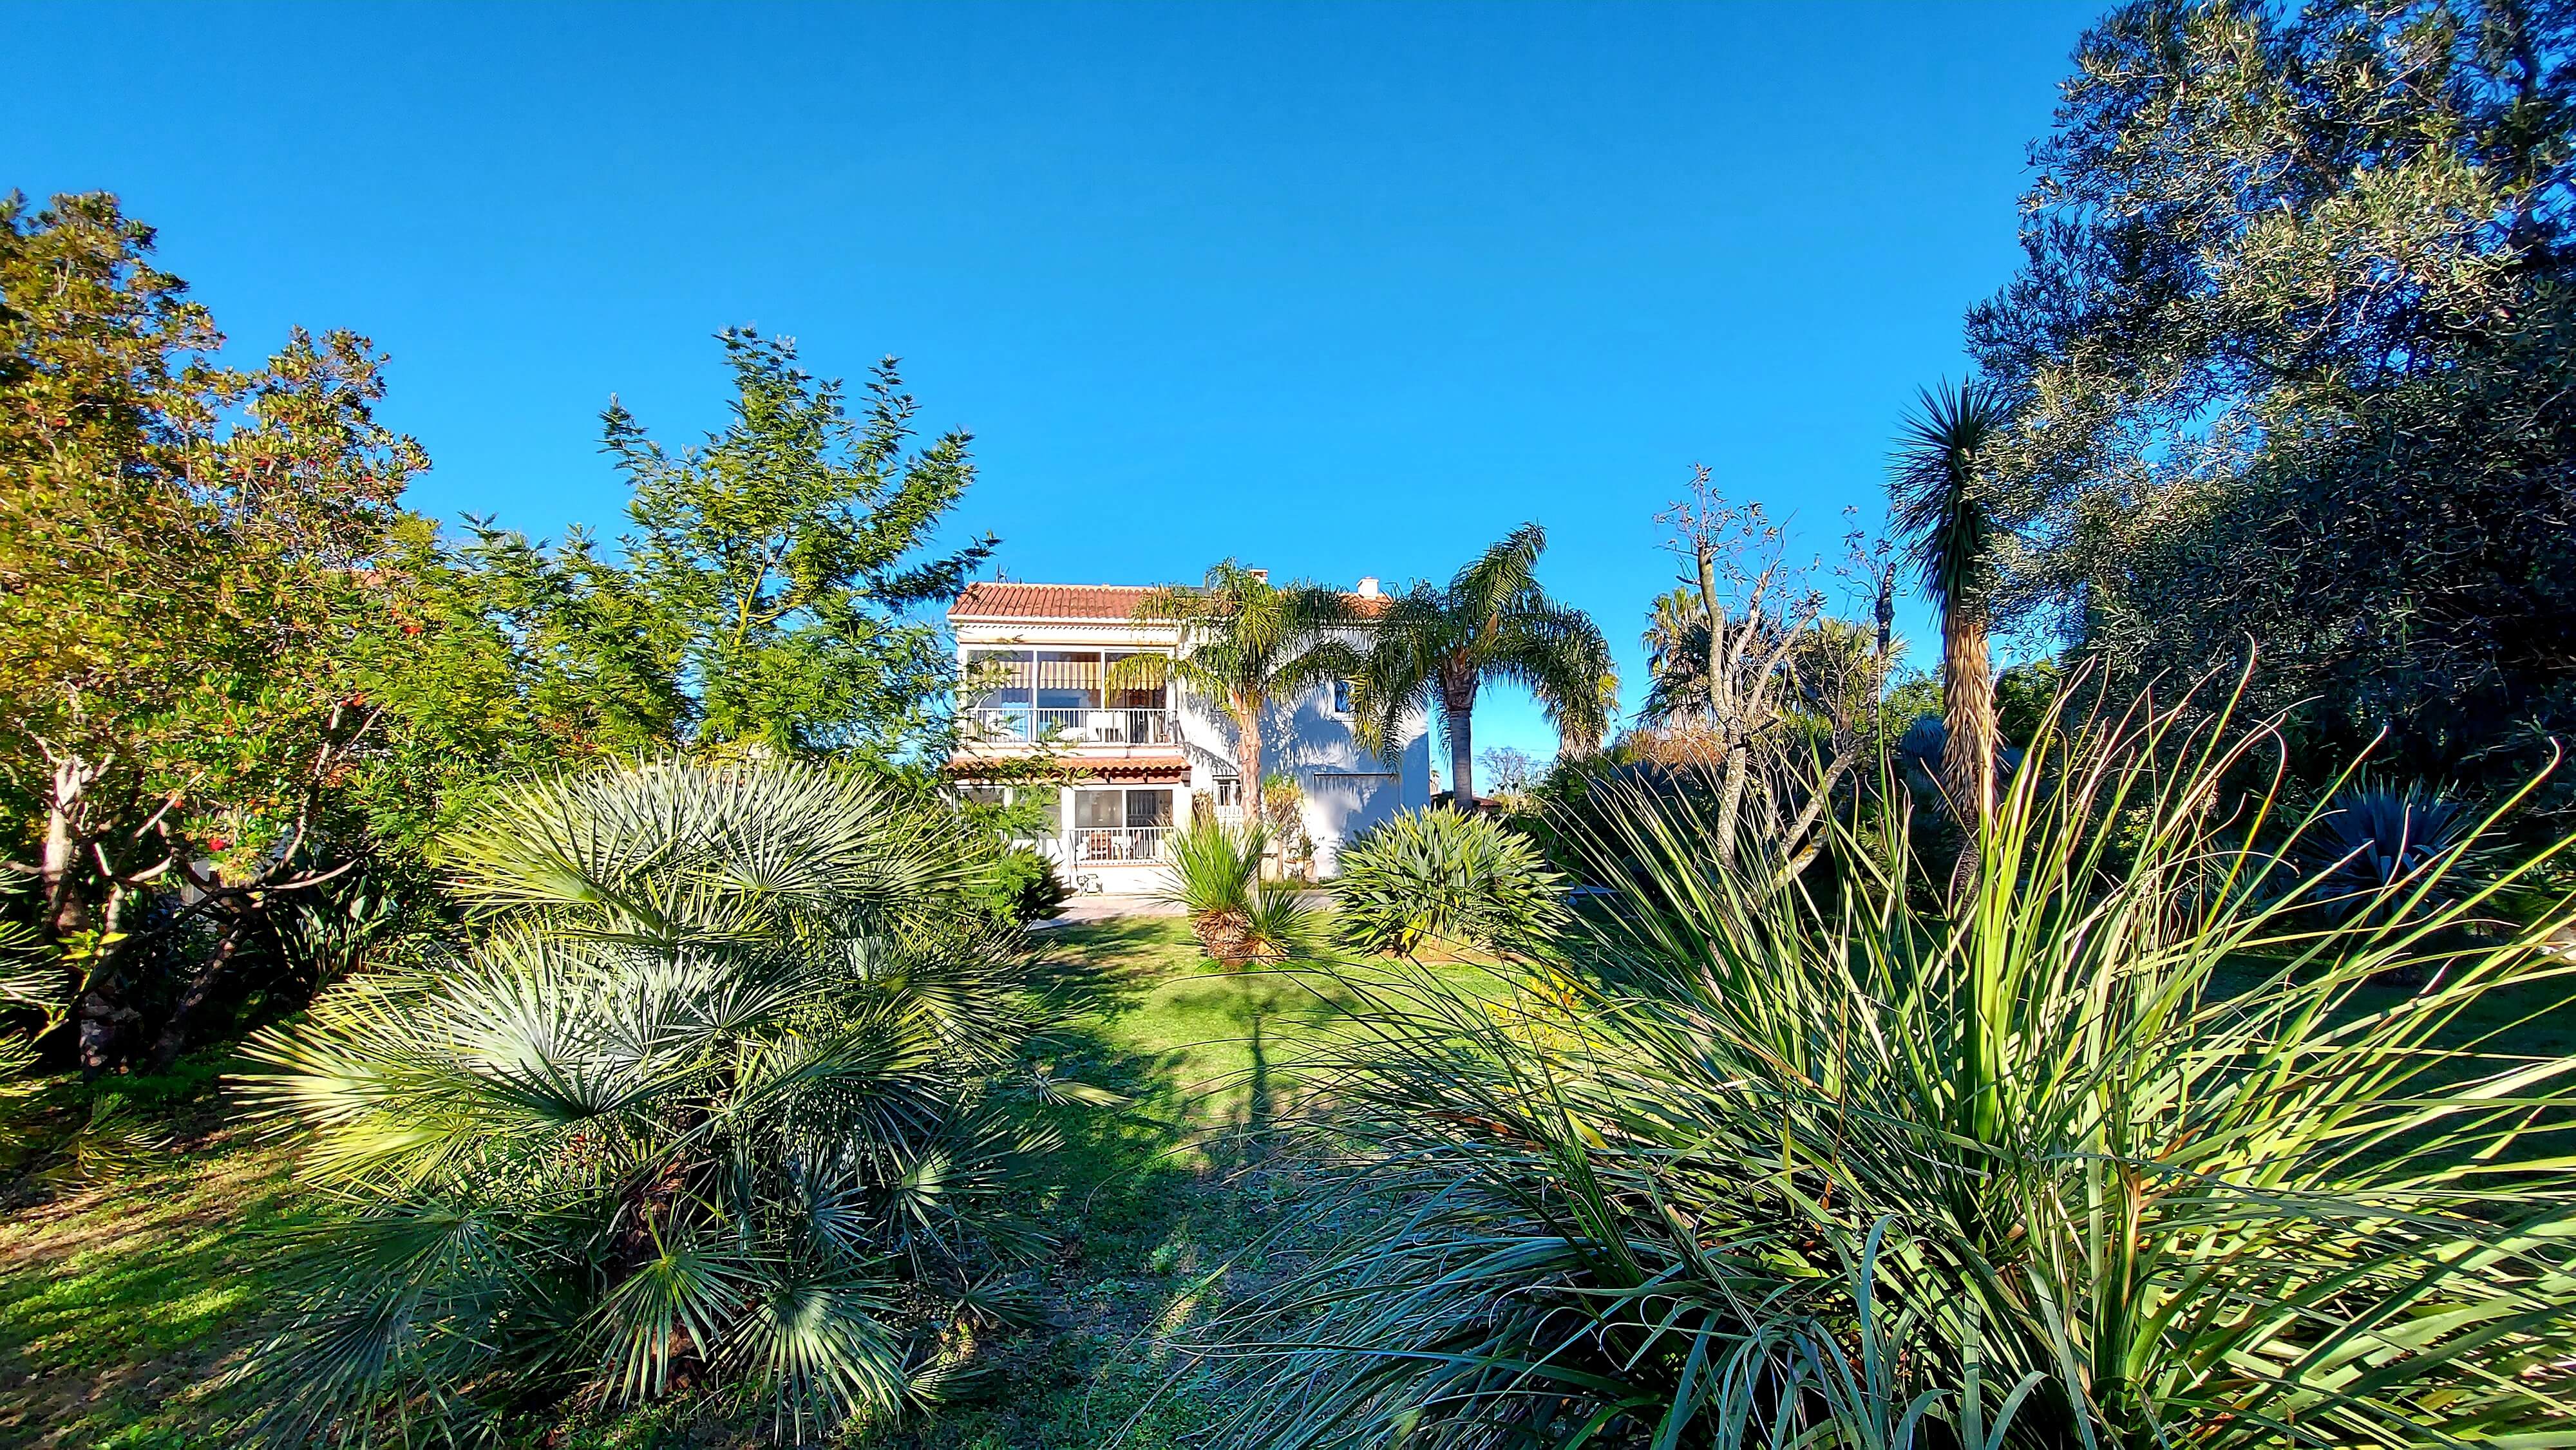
{"points": [[1939, 493], [718, 1064]]}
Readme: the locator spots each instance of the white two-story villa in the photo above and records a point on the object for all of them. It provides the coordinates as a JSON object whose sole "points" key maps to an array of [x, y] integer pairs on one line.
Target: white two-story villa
{"points": [[1134, 760]]}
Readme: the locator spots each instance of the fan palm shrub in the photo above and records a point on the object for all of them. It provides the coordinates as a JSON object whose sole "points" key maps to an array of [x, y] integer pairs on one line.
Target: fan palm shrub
{"points": [[2119, 1149], [721, 1098], [1441, 873]]}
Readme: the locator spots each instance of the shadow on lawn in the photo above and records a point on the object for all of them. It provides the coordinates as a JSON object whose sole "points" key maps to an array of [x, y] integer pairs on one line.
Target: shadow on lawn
{"points": [[1153, 1203], [120, 1302]]}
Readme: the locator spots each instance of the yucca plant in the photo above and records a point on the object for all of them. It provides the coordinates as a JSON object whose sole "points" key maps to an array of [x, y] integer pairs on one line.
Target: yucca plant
{"points": [[2118, 1149], [1439, 873], [1214, 877], [717, 1099]]}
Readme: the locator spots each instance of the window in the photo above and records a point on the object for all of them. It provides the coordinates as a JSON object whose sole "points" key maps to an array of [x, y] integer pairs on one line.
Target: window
{"points": [[1068, 679], [1341, 697], [1229, 791], [1113, 809], [1132, 687]]}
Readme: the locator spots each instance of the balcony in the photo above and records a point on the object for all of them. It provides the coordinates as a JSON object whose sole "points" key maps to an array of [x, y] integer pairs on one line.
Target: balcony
{"points": [[1117, 845], [1082, 725]]}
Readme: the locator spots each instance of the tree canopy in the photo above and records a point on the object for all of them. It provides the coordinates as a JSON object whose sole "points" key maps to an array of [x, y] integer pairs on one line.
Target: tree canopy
{"points": [[2292, 349], [766, 592]]}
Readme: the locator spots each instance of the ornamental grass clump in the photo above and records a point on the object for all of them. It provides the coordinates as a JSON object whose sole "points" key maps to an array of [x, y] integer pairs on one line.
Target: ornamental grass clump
{"points": [[1441, 874], [721, 1098], [2119, 1147]]}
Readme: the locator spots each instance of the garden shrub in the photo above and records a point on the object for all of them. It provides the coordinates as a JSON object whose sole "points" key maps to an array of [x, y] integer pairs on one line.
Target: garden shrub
{"points": [[726, 1097], [2123, 1147], [1438, 873], [1023, 887]]}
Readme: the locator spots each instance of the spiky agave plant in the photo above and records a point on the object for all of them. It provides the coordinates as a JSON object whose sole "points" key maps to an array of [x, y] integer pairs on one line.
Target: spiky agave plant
{"points": [[2123, 1133], [713, 1100], [2371, 838]]}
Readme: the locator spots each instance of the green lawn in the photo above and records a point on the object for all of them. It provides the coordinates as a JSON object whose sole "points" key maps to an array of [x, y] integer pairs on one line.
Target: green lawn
{"points": [[121, 1302]]}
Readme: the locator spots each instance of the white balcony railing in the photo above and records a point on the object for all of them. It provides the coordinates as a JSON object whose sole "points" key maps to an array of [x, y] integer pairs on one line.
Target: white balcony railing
{"points": [[1082, 725], [1110, 845]]}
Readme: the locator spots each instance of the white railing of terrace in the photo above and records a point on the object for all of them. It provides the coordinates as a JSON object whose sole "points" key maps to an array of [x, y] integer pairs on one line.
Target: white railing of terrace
{"points": [[1084, 725], [1112, 845]]}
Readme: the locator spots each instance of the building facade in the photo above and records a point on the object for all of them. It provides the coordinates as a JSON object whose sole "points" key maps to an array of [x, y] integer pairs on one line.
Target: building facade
{"points": [[1120, 761]]}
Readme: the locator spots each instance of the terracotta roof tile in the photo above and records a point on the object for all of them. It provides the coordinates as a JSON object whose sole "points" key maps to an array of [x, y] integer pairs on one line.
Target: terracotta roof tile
{"points": [[995, 599], [992, 599]]}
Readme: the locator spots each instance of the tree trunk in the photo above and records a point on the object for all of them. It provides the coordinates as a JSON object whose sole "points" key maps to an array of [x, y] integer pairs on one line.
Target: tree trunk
{"points": [[1247, 757], [1968, 749], [100, 1015], [173, 1038], [1730, 799], [66, 904], [1461, 714]]}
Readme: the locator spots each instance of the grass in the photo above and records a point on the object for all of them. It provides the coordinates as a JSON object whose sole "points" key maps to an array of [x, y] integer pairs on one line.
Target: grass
{"points": [[1164, 1200], [120, 1302]]}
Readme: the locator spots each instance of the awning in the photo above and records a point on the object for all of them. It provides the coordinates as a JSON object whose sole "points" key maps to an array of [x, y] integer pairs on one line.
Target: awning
{"points": [[1127, 770]]}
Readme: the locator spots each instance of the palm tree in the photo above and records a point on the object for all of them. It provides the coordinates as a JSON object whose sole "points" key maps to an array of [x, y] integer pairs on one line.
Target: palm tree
{"points": [[1436, 647], [1245, 643], [714, 1098], [1937, 487]]}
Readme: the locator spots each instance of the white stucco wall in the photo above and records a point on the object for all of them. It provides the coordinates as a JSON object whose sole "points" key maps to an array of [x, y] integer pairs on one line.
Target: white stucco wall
{"points": [[1346, 787]]}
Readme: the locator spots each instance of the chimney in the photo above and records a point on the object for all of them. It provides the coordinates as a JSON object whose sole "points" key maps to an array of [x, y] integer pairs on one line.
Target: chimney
{"points": [[1368, 586]]}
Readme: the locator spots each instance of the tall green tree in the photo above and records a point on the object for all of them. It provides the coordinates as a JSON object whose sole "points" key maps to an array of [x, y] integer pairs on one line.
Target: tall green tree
{"points": [[1941, 506], [1246, 643], [2296, 338], [188, 560], [770, 592], [1436, 647]]}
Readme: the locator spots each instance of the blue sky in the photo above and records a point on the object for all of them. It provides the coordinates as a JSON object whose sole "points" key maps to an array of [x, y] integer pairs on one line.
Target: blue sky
{"points": [[1336, 289]]}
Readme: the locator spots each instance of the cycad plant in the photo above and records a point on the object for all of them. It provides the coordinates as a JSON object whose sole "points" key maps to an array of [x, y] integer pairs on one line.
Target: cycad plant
{"points": [[1441, 874], [719, 1099], [2123, 1143]]}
